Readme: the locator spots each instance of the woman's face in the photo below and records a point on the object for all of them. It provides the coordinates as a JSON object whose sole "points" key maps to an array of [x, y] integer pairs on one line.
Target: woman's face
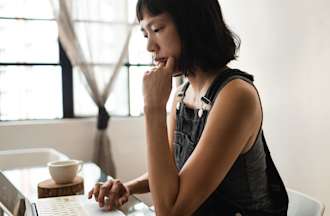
{"points": [[163, 38]]}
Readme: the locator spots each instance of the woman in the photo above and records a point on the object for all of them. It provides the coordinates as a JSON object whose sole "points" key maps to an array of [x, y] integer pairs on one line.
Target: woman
{"points": [[210, 156]]}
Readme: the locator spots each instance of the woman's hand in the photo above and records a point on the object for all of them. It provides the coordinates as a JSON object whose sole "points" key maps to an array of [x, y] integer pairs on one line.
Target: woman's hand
{"points": [[116, 191], [157, 84]]}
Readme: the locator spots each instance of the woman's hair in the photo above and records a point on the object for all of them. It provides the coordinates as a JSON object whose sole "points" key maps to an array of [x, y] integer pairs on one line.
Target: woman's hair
{"points": [[207, 42]]}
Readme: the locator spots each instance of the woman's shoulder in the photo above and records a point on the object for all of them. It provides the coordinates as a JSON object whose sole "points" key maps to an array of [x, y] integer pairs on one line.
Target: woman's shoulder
{"points": [[241, 100], [239, 84], [245, 92], [235, 82]]}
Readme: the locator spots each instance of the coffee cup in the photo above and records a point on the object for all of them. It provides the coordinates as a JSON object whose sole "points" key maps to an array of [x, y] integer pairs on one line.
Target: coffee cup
{"points": [[64, 171]]}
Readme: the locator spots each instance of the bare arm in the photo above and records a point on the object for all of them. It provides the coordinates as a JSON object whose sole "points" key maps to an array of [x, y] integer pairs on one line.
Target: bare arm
{"points": [[139, 185], [231, 120]]}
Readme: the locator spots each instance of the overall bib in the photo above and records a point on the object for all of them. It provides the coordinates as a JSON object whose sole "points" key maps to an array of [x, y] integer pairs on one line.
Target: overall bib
{"points": [[253, 185]]}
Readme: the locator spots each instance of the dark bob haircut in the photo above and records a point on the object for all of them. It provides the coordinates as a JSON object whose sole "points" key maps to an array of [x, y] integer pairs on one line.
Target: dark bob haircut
{"points": [[207, 42]]}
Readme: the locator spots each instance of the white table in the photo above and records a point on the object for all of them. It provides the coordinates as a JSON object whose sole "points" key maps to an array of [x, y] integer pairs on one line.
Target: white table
{"points": [[27, 179]]}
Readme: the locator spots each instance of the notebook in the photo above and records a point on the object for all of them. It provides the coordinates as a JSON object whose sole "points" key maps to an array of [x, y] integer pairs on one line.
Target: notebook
{"points": [[13, 202]]}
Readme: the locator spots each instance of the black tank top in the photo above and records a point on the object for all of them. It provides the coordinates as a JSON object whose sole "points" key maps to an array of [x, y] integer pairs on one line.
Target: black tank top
{"points": [[252, 186]]}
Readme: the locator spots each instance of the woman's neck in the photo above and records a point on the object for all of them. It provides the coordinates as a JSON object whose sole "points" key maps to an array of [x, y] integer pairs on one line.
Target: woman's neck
{"points": [[200, 82]]}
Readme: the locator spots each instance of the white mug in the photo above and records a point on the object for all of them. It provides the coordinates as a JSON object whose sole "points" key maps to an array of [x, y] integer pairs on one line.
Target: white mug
{"points": [[64, 171]]}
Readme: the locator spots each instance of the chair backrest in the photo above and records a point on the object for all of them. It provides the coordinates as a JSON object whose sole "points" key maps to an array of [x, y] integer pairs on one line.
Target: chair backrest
{"points": [[303, 205]]}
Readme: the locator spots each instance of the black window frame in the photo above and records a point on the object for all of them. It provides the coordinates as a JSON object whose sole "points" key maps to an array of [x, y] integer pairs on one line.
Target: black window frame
{"points": [[67, 74], [64, 63], [67, 83]]}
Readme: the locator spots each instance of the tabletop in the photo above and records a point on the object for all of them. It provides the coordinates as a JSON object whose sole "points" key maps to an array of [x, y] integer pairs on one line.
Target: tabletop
{"points": [[27, 179]]}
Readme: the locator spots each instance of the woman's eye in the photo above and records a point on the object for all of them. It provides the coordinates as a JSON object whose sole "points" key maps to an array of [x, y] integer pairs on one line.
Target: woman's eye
{"points": [[157, 30]]}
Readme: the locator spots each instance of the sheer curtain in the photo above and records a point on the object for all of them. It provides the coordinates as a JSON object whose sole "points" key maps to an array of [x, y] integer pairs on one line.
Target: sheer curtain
{"points": [[94, 34]]}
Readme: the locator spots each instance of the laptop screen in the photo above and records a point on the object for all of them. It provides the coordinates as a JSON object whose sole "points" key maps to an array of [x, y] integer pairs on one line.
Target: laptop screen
{"points": [[11, 198]]}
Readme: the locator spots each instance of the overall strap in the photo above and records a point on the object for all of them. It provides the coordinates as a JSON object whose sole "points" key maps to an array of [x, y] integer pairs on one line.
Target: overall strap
{"points": [[209, 97], [218, 82]]}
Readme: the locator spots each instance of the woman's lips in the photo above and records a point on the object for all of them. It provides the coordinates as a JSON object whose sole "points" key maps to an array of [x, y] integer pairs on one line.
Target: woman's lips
{"points": [[160, 60]]}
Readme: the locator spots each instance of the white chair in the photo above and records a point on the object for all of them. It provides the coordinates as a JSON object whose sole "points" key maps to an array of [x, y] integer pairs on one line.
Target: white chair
{"points": [[31, 157], [303, 205]]}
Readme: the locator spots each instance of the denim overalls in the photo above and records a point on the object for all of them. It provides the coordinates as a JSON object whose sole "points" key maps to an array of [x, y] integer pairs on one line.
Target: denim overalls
{"points": [[253, 185]]}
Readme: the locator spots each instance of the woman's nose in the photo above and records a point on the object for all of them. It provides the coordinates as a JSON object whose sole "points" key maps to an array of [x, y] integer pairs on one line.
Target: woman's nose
{"points": [[152, 45]]}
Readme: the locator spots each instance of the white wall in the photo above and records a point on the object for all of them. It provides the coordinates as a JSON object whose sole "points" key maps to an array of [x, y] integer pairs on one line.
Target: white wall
{"points": [[286, 45], [68, 136]]}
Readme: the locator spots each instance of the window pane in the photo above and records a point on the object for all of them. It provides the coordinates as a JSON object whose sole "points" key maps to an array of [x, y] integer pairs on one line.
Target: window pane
{"points": [[40, 9], [30, 92], [102, 43], [136, 91], [131, 10], [137, 49], [28, 41], [117, 103], [100, 10]]}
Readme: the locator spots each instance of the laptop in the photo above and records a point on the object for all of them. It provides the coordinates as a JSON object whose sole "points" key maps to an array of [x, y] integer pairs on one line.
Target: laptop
{"points": [[13, 202]]}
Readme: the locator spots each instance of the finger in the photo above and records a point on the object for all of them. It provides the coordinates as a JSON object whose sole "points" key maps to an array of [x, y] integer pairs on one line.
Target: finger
{"points": [[123, 200], [161, 64], [104, 190], [147, 73], [114, 195], [120, 188], [170, 63], [158, 64], [117, 205], [90, 193], [123, 194], [113, 199], [96, 190], [111, 202], [153, 70]]}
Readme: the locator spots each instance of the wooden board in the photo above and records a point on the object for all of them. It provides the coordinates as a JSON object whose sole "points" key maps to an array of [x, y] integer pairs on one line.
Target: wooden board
{"points": [[49, 188]]}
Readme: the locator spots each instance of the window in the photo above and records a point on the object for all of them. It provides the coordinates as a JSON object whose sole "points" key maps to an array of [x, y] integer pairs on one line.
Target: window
{"points": [[110, 31], [106, 36], [30, 74], [127, 97], [31, 82]]}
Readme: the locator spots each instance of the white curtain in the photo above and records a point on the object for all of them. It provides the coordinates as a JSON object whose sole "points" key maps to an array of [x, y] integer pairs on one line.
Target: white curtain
{"points": [[94, 33]]}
